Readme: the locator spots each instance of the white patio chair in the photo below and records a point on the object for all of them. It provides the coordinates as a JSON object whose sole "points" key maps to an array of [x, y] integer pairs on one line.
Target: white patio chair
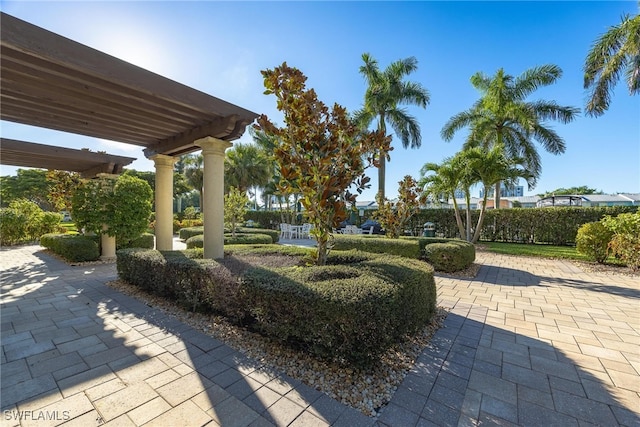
{"points": [[305, 232], [285, 231]]}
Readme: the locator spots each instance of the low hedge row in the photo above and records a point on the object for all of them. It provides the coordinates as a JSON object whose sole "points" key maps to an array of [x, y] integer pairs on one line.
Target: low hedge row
{"points": [[446, 255], [81, 248], [400, 247], [72, 247], [188, 232], [240, 239], [351, 310], [145, 241]]}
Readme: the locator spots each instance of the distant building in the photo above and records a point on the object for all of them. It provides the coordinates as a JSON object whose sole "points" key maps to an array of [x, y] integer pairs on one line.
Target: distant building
{"points": [[512, 191]]}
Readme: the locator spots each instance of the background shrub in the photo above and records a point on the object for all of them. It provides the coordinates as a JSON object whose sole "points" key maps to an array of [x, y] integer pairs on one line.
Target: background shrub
{"points": [[146, 241], [24, 221], [274, 235], [240, 239], [557, 225], [593, 241], [401, 247], [186, 233], [625, 243], [72, 247], [453, 255]]}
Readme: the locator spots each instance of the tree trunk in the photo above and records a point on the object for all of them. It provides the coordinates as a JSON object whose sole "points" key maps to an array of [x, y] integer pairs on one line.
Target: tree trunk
{"points": [[381, 174], [496, 195], [458, 219], [476, 235], [322, 240]]}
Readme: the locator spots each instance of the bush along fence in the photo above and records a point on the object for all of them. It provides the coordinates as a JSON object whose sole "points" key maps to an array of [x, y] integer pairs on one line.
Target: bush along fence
{"points": [[558, 225]]}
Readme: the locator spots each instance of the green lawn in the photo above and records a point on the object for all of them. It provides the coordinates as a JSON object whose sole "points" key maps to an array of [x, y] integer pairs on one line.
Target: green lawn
{"points": [[69, 226], [539, 250]]}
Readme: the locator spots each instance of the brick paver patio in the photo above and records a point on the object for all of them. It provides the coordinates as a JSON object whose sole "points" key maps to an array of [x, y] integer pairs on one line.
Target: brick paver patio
{"points": [[527, 342]]}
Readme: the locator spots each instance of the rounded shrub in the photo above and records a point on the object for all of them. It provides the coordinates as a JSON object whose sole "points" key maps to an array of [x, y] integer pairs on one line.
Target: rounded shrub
{"points": [[593, 240], [449, 256], [196, 241], [186, 233]]}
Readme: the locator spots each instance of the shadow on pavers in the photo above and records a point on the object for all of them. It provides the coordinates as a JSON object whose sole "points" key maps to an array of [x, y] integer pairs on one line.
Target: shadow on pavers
{"points": [[473, 374], [73, 348]]}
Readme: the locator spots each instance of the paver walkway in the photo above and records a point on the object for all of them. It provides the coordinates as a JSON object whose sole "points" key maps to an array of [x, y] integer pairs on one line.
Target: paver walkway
{"points": [[528, 342]]}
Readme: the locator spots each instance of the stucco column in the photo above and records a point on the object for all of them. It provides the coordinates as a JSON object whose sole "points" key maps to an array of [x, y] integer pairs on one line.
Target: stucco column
{"points": [[213, 197], [107, 246], [107, 243], [164, 201]]}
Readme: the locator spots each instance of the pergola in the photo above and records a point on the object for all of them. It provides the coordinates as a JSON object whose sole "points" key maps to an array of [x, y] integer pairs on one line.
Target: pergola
{"points": [[49, 81]]}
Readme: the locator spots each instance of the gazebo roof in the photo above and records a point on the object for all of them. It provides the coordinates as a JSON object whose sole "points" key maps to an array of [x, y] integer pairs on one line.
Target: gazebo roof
{"points": [[53, 82]]}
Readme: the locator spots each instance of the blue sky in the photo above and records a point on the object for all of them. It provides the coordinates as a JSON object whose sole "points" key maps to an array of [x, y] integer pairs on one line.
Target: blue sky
{"points": [[220, 48]]}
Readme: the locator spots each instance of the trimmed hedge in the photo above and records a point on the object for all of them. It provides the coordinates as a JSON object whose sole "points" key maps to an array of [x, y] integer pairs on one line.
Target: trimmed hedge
{"points": [[240, 239], [72, 247], [189, 232], [453, 255], [186, 233], [555, 225], [347, 312], [447, 255], [145, 241], [351, 313], [400, 247]]}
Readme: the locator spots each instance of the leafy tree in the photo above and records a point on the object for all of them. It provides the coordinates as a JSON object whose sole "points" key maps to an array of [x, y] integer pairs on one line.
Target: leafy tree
{"points": [[615, 52], [394, 216], [319, 152], [123, 205], [246, 166], [386, 92], [30, 184], [235, 208], [503, 117], [24, 221], [62, 185], [583, 189]]}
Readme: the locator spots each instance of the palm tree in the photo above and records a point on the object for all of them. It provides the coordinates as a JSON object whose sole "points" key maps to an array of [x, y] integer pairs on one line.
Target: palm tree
{"points": [[502, 117], [442, 184], [614, 52], [247, 166], [386, 92], [194, 172], [491, 167]]}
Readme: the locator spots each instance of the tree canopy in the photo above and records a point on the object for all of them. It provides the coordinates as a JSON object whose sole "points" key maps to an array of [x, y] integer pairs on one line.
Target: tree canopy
{"points": [[319, 152]]}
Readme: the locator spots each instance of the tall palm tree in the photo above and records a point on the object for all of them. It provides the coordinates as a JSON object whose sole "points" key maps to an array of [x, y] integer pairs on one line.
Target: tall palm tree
{"points": [[614, 52], [503, 117], [386, 92], [246, 166]]}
